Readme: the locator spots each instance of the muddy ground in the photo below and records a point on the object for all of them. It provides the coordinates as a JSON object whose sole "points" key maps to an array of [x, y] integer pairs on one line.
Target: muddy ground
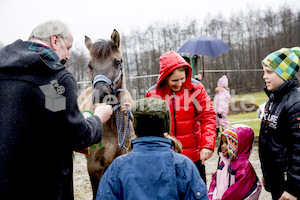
{"points": [[83, 190]]}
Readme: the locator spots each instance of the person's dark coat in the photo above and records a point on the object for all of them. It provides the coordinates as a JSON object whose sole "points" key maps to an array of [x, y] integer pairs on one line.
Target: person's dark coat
{"points": [[279, 142], [36, 143]]}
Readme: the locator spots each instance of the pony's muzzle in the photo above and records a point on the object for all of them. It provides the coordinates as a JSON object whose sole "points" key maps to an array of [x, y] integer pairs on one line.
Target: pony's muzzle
{"points": [[104, 96]]}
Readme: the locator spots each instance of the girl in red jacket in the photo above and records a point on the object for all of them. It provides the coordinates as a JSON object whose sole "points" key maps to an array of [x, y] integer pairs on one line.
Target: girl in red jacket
{"points": [[192, 115]]}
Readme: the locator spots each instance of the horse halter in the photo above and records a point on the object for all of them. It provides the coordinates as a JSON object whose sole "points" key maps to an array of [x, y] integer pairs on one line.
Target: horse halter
{"points": [[122, 128], [103, 78]]}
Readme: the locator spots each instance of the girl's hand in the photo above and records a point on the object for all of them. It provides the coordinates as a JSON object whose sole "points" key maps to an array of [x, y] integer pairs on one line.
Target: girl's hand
{"points": [[205, 154], [124, 108]]}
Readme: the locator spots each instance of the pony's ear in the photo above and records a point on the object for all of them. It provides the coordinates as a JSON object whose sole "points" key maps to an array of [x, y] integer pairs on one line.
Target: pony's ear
{"points": [[88, 42], [115, 38]]}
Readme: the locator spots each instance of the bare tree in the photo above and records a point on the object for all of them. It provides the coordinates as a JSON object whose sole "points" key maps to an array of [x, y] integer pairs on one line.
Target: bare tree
{"points": [[78, 65], [251, 36]]}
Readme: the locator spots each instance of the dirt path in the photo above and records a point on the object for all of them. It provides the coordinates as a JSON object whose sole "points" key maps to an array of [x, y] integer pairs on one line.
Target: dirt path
{"points": [[83, 190]]}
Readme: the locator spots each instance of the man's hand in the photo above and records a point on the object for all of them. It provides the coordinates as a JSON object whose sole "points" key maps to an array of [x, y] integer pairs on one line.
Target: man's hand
{"points": [[205, 154], [104, 112], [287, 196]]}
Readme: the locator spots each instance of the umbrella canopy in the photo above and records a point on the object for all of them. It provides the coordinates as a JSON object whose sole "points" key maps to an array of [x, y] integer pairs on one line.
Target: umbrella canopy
{"points": [[204, 45]]}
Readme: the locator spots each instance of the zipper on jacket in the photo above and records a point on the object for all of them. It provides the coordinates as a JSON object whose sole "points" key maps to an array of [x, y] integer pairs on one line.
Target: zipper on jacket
{"points": [[271, 101], [174, 116]]}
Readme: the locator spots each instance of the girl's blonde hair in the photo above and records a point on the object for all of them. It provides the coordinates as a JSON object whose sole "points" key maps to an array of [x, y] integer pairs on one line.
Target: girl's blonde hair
{"points": [[176, 144]]}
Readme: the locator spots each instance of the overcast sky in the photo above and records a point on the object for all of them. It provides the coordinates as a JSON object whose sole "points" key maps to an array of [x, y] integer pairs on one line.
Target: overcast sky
{"points": [[98, 18]]}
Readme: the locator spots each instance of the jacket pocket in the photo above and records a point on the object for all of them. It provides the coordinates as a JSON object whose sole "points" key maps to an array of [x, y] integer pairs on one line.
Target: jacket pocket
{"points": [[196, 142]]}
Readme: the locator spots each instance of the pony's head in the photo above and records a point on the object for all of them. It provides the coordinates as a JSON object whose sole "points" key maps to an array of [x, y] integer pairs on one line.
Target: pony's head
{"points": [[105, 68]]}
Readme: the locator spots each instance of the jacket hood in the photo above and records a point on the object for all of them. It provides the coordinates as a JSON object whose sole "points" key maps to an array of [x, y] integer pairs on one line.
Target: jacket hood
{"points": [[240, 139], [17, 58], [223, 81], [168, 63], [151, 141]]}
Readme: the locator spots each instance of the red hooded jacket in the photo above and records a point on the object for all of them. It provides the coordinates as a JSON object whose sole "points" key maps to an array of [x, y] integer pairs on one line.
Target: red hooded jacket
{"points": [[192, 115]]}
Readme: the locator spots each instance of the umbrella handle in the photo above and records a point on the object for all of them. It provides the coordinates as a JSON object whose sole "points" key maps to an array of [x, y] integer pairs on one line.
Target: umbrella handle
{"points": [[192, 62], [202, 59]]}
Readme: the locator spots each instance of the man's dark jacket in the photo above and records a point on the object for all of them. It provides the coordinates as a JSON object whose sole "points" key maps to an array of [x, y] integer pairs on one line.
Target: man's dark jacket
{"points": [[279, 142], [36, 144]]}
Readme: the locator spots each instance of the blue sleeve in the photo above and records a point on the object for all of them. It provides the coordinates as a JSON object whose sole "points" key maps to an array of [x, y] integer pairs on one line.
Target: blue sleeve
{"points": [[109, 187], [191, 185]]}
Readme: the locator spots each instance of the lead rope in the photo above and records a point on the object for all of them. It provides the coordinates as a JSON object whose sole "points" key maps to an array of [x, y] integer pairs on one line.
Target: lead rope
{"points": [[120, 125]]}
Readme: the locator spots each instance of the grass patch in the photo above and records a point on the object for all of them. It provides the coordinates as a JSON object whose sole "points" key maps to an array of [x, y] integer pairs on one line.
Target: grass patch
{"points": [[249, 118], [255, 97], [241, 119]]}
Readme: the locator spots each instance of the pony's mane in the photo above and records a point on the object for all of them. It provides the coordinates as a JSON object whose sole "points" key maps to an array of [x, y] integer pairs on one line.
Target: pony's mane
{"points": [[102, 49]]}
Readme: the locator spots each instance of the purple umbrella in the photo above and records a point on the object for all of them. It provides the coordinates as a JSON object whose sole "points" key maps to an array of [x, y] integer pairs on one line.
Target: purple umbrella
{"points": [[205, 46]]}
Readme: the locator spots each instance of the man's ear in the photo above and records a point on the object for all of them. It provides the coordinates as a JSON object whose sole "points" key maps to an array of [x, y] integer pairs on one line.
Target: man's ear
{"points": [[54, 42]]}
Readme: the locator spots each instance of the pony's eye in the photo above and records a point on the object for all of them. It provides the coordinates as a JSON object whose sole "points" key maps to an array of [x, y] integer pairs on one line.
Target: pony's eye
{"points": [[118, 63], [90, 66]]}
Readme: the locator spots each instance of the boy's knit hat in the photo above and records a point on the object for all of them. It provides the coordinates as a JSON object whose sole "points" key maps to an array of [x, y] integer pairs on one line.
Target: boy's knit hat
{"points": [[151, 117], [232, 140], [285, 62]]}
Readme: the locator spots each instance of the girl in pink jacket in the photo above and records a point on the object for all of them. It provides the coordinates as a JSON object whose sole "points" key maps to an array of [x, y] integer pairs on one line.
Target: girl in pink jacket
{"points": [[235, 177], [221, 103]]}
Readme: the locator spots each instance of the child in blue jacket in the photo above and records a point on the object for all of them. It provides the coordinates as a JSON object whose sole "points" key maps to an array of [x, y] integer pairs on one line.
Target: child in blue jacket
{"points": [[152, 170]]}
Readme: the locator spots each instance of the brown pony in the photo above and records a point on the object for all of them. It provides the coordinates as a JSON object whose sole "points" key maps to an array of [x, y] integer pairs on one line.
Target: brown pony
{"points": [[107, 75]]}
